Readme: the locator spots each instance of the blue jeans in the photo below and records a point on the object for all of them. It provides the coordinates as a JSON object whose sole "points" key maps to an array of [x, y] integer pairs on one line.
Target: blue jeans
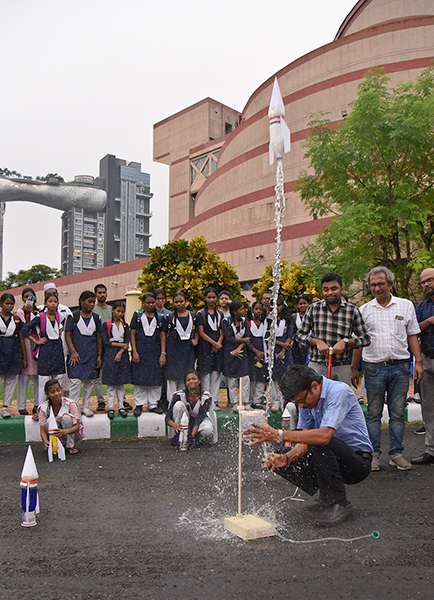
{"points": [[394, 380]]}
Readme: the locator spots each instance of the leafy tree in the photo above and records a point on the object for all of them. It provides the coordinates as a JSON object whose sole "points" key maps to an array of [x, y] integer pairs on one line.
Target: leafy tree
{"points": [[33, 275], [374, 174], [188, 267], [294, 280]]}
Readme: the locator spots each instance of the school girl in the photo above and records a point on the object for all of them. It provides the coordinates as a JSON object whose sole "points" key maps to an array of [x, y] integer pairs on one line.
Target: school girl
{"points": [[258, 366], [83, 337], [282, 351], [116, 370], [148, 344], [66, 415], [300, 352], [210, 344], [182, 337], [12, 351], [26, 314], [225, 300], [236, 360], [197, 405], [45, 332]]}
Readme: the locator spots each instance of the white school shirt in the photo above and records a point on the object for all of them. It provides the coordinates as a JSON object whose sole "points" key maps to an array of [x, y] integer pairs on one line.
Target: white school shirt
{"points": [[388, 328]]}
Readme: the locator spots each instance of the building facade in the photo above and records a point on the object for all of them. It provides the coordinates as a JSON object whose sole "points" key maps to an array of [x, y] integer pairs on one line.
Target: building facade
{"points": [[233, 206], [120, 233]]}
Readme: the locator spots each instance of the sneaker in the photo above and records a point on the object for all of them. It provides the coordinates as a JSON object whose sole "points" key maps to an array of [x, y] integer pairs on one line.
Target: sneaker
{"points": [[5, 413], [400, 462], [127, 406], [23, 412], [275, 407], [375, 464], [235, 408], [420, 430], [101, 406], [138, 410], [216, 406], [248, 407], [257, 406], [86, 412], [156, 409]]}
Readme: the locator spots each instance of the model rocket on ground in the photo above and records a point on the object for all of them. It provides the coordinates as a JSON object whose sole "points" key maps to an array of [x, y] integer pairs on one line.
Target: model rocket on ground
{"points": [[29, 490], [55, 446], [280, 136]]}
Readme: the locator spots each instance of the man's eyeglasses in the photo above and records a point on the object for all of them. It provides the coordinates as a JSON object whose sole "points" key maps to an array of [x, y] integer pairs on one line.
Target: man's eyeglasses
{"points": [[427, 281], [298, 402]]}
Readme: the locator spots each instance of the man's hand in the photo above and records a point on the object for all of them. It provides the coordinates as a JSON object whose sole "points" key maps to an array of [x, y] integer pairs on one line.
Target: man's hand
{"points": [[355, 377], [418, 371], [323, 348], [339, 347], [275, 461], [261, 433]]}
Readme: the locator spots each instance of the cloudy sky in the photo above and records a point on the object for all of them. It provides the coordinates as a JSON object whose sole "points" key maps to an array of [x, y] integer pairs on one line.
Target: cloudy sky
{"points": [[85, 78]]}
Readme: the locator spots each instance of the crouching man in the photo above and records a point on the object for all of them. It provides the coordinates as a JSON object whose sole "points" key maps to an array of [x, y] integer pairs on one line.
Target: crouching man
{"points": [[332, 446]]}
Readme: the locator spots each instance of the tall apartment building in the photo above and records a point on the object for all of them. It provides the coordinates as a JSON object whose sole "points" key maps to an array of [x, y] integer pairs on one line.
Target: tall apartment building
{"points": [[118, 234]]}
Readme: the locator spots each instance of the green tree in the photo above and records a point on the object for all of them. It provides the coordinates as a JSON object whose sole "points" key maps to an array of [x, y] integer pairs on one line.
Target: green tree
{"points": [[294, 280], [188, 267], [374, 175], [33, 275]]}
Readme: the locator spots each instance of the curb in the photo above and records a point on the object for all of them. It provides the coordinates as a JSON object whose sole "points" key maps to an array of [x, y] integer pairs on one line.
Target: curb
{"points": [[100, 427]]}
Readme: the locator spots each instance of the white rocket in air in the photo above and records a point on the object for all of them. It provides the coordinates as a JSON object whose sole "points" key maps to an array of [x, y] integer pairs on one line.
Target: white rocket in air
{"points": [[280, 136]]}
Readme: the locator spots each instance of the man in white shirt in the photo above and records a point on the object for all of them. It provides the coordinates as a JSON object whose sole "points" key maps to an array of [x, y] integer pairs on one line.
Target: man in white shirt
{"points": [[392, 326]]}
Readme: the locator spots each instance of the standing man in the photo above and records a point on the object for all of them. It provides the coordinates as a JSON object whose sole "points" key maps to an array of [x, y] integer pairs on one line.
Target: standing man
{"points": [[393, 326], [266, 302], [105, 313], [425, 316], [334, 323], [331, 450]]}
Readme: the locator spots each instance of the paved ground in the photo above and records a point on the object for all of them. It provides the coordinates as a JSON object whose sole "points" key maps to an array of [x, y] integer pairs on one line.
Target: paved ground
{"points": [[140, 520]]}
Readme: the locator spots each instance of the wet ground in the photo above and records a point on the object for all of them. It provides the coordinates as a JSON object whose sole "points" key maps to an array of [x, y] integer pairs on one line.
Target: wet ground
{"points": [[140, 520]]}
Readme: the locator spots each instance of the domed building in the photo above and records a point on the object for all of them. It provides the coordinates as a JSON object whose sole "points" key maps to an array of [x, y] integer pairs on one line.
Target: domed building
{"points": [[221, 184]]}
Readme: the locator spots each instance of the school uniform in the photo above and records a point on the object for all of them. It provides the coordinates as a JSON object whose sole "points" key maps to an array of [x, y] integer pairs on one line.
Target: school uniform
{"points": [[236, 366], [30, 371], [147, 375], [84, 334], [180, 352], [210, 364], [258, 369], [200, 414], [284, 332], [10, 356], [115, 374], [51, 360]]}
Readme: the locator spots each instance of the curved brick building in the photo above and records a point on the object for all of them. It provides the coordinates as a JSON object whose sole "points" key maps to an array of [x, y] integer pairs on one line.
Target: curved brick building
{"points": [[221, 184]]}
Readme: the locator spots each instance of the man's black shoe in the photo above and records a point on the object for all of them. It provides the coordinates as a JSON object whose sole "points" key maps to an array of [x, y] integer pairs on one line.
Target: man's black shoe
{"points": [[334, 515], [138, 410], [425, 459], [127, 406], [101, 407], [156, 409]]}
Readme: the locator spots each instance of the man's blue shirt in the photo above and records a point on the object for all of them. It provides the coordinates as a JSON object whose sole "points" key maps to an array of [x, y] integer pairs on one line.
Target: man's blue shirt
{"points": [[425, 310], [339, 408]]}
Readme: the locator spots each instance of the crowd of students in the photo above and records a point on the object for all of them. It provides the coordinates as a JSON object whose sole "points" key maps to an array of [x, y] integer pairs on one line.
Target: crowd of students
{"points": [[154, 352]]}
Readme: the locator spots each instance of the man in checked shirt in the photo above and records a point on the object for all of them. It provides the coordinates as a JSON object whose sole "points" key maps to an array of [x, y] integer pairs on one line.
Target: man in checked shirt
{"points": [[334, 323]]}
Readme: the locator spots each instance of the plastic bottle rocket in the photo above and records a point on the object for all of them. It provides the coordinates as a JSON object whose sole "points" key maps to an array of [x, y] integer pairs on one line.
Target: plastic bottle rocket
{"points": [[183, 434], [286, 423], [280, 136], [55, 446], [29, 490]]}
